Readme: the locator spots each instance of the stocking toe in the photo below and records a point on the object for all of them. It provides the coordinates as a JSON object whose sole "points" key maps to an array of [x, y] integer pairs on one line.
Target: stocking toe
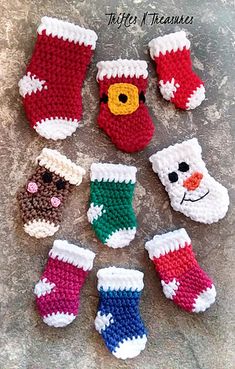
{"points": [[41, 228], [196, 98], [205, 299], [130, 348], [56, 129], [121, 238], [59, 320]]}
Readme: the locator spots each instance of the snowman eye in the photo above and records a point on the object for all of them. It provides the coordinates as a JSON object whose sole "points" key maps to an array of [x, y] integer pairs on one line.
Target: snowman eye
{"points": [[183, 167], [173, 177]]}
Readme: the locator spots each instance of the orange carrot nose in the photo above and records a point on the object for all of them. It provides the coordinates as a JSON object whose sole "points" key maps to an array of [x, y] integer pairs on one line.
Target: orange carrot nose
{"points": [[193, 181]]}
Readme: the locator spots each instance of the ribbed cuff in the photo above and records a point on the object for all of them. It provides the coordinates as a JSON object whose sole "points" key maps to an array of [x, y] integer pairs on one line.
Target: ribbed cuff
{"points": [[67, 31], [173, 41], [72, 254], [122, 68], [163, 244], [184, 151], [120, 279], [113, 172], [61, 165]]}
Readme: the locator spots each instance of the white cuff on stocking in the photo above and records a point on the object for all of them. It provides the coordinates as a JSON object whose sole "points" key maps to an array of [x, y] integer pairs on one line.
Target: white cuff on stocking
{"points": [[72, 254], [120, 279], [173, 41], [68, 31], [122, 68], [113, 172], [163, 244], [61, 165]]}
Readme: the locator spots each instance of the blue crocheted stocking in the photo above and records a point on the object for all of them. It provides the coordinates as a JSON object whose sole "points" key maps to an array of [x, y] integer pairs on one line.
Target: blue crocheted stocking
{"points": [[118, 319]]}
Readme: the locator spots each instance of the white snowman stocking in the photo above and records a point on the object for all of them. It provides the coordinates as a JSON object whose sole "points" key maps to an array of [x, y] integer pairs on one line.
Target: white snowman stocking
{"points": [[191, 189]]}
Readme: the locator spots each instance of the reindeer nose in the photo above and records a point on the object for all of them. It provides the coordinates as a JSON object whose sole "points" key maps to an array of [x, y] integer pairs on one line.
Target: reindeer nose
{"points": [[193, 181]]}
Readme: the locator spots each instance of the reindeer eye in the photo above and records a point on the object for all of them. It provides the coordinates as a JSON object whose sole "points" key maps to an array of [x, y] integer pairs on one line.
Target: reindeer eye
{"points": [[183, 167], [47, 177], [173, 177], [60, 185]]}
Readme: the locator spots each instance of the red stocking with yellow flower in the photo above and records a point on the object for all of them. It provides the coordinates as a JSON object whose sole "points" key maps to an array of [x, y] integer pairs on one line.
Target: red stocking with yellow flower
{"points": [[123, 113]]}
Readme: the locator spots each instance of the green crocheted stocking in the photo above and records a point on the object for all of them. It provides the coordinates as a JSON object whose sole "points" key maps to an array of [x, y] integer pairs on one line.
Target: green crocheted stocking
{"points": [[111, 213]]}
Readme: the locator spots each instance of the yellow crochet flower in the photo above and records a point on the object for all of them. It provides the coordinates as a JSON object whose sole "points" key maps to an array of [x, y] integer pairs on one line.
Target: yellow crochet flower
{"points": [[123, 98]]}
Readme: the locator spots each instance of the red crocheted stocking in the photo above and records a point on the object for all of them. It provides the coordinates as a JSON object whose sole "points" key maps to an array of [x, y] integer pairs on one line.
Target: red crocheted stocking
{"points": [[182, 279], [177, 82], [51, 88], [57, 292], [123, 114]]}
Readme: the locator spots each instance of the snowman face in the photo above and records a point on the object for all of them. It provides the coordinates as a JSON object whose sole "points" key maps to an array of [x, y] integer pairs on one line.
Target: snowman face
{"points": [[191, 189], [187, 183]]}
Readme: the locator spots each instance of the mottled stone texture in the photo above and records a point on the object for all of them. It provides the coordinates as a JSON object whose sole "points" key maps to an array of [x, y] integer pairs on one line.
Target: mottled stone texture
{"points": [[177, 340]]}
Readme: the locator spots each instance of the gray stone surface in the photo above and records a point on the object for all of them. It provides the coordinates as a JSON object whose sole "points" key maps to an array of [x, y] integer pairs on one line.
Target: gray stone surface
{"points": [[177, 340]]}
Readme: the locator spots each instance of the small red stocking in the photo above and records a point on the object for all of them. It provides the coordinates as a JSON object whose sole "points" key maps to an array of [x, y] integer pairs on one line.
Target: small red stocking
{"points": [[123, 114], [177, 82], [51, 88], [182, 279]]}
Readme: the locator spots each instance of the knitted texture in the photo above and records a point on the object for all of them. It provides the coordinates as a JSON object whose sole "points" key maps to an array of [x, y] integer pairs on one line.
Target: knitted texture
{"points": [[123, 114], [57, 292], [42, 199], [191, 189], [51, 87], [118, 319], [182, 279], [111, 213], [177, 82]]}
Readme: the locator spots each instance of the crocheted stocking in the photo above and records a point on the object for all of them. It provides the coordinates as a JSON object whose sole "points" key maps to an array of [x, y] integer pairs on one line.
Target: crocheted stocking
{"points": [[51, 88], [118, 319], [123, 114], [42, 200], [182, 279], [59, 287], [177, 82], [111, 213], [191, 189]]}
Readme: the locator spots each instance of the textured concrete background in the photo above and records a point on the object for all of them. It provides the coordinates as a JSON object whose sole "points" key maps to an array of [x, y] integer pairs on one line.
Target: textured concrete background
{"points": [[177, 340]]}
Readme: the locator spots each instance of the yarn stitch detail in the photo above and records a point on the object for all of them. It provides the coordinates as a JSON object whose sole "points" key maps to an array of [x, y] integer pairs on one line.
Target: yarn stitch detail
{"points": [[182, 279], [177, 81], [51, 87], [67, 31], [111, 213], [121, 68], [57, 292], [193, 192], [118, 318], [123, 113], [61, 165], [43, 197]]}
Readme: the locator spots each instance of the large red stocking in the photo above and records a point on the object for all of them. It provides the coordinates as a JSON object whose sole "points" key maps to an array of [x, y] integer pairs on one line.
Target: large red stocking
{"points": [[51, 87]]}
